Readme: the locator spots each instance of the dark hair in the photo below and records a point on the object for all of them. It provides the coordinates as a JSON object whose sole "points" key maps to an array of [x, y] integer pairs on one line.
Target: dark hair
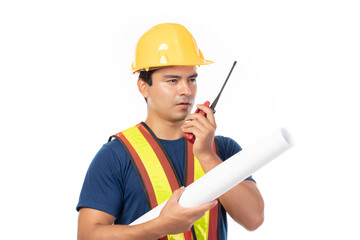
{"points": [[146, 76]]}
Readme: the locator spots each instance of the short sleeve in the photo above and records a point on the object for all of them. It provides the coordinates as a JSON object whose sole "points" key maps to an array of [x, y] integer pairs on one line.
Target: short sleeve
{"points": [[102, 188], [227, 148]]}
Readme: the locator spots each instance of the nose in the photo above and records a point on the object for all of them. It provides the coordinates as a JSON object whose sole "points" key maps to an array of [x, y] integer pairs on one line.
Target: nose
{"points": [[184, 88]]}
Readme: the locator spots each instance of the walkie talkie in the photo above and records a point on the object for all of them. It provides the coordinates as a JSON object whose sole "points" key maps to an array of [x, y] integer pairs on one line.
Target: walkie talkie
{"points": [[191, 137]]}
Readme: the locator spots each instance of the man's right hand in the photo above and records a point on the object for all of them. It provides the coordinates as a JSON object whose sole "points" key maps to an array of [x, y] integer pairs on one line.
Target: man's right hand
{"points": [[177, 219]]}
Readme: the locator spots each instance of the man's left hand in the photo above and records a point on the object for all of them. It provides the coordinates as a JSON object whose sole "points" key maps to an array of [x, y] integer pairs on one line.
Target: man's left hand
{"points": [[204, 130]]}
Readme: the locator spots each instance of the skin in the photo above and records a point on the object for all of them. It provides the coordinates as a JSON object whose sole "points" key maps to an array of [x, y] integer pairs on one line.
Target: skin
{"points": [[169, 103]]}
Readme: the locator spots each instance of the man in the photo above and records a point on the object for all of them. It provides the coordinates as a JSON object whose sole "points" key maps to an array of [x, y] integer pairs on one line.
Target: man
{"points": [[150, 162]]}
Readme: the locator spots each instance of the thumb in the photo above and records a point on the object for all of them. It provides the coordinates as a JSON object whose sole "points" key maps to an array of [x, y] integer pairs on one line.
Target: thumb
{"points": [[177, 194], [208, 206]]}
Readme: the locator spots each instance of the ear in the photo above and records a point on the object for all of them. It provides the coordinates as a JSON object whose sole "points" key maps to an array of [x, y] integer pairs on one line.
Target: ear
{"points": [[143, 88]]}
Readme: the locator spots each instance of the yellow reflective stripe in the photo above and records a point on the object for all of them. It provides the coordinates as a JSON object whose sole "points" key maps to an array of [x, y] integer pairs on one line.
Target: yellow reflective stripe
{"points": [[153, 167], [202, 225], [198, 170], [151, 163], [179, 236]]}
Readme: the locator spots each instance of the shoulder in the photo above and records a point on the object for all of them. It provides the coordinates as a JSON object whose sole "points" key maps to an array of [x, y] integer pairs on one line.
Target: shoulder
{"points": [[111, 155], [102, 188], [113, 146], [227, 147]]}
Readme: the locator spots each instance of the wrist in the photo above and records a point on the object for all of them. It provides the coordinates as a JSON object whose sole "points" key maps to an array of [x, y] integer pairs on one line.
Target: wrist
{"points": [[156, 228], [208, 160], [205, 155]]}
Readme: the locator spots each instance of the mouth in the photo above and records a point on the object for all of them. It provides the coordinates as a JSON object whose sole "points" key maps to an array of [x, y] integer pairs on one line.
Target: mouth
{"points": [[184, 104]]}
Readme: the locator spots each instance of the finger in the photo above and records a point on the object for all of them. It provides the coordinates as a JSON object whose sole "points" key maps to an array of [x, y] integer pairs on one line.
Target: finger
{"points": [[199, 126], [192, 130], [207, 206], [197, 118], [194, 116], [208, 121], [177, 194], [209, 112]]}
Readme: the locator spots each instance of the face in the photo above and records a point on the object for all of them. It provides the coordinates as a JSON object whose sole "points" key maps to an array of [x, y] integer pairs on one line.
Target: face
{"points": [[171, 96]]}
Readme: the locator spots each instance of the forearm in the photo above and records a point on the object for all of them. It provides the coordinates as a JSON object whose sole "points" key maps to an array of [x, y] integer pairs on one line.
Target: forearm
{"points": [[173, 219], [244, 204], [146, 231]]}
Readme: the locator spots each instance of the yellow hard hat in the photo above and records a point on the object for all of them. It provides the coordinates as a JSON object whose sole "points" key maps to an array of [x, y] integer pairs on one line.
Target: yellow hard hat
{"points": [[167, 44]]}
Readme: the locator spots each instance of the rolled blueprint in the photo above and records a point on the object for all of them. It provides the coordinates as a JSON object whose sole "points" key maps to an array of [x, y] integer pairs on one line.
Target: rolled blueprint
{"points": [[229, 173]]}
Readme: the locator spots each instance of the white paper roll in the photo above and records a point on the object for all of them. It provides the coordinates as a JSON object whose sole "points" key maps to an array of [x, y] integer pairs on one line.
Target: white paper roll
{"points": [[229, 173]]}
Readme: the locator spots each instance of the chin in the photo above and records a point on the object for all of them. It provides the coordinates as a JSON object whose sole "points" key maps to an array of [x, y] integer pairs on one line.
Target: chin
{"points": [[179, 118]]}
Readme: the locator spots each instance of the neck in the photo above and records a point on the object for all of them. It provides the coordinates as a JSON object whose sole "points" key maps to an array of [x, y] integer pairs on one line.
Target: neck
{"points": [[165, 129]]}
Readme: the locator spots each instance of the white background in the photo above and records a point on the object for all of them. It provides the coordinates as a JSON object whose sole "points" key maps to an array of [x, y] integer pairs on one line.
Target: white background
{"points": [[66, 86]]}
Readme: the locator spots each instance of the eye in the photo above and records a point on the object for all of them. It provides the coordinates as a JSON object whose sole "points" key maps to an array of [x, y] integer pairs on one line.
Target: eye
{"points": [[172, 80], [192, 80]]}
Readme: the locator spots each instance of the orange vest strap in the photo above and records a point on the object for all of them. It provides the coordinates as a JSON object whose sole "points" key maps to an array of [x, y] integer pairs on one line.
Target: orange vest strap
{"points": [[215, 212], [162, 156], [140, 169], [166, 163]]}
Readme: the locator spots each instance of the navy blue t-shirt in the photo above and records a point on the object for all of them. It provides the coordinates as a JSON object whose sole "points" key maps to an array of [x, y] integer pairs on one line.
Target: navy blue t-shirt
{"points": [[112, 185]]}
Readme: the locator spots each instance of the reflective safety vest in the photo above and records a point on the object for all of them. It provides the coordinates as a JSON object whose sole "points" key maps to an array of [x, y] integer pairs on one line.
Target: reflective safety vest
{"points": [[159, 178]]}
